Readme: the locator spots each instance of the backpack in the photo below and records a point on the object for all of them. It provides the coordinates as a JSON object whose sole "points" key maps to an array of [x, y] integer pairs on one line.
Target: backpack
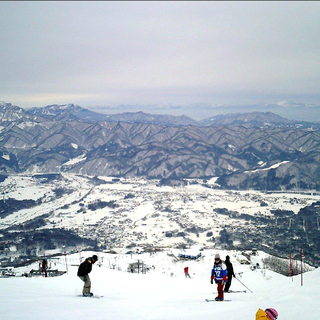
{"points": [[261, 315]]}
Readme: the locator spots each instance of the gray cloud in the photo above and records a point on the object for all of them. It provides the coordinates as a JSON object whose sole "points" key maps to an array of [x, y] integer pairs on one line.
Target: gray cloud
{"points": [[159, 52]]}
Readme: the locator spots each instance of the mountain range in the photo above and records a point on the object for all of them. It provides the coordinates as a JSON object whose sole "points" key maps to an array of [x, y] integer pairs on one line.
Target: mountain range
{"points": [[256, 150]]}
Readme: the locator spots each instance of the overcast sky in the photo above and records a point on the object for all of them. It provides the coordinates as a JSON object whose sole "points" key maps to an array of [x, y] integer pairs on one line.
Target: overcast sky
{"points": [[110, 53]]}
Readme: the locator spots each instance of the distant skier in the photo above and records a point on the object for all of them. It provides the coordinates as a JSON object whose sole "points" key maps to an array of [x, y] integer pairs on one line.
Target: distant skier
{"points": [[44, 267], [268, 314], [230, 273], [83, 273], [186, 272], [219, 275]]}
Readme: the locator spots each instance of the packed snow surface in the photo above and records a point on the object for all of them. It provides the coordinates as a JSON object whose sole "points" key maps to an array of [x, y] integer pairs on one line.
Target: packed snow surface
{"points": [[162, 293]]}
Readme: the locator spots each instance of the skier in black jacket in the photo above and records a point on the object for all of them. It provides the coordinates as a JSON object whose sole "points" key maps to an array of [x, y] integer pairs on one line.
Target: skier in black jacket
{"points": [[83, 273], [230, 274]]}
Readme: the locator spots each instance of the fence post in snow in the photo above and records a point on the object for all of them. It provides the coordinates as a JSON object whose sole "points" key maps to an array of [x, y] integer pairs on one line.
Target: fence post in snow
{"points": [[302, 257], [65, 255]]}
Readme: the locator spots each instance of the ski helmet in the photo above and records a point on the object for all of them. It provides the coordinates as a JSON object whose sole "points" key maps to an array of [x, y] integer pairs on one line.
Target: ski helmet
{"points": [[94, 258], [272, 313]]}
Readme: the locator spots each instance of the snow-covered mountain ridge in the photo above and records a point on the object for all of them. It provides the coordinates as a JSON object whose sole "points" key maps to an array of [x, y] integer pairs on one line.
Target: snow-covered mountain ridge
{"points": [[143, 145]]}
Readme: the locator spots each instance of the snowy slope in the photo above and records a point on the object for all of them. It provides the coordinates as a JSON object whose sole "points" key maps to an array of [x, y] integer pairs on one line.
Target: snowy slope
{"points": [[163, 293]]}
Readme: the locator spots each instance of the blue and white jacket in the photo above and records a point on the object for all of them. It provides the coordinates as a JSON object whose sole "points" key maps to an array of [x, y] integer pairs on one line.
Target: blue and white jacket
{"points": [[219, 272]]}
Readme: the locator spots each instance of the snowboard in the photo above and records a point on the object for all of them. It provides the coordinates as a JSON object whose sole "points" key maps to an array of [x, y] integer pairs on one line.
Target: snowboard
{"points": [[95, 296]]}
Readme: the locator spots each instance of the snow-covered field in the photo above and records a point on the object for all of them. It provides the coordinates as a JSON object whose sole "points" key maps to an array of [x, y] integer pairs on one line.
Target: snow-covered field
{"points": [[162, 293], [144, 212]]}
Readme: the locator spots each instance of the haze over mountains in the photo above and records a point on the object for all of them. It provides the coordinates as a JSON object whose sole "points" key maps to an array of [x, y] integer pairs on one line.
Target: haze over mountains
{"points": [[258, 150], [199, 111]]}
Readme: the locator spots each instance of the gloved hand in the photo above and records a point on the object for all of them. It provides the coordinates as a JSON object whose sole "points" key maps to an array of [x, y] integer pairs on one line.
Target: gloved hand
{"points": [[211, 281]]}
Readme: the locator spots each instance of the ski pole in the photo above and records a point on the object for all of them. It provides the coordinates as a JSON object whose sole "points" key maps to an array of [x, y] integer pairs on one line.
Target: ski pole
{"points": [[243, 285]]}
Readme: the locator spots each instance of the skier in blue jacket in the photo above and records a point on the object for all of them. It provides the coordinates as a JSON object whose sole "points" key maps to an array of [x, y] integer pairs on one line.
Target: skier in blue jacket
{"points": [[219, 275]]}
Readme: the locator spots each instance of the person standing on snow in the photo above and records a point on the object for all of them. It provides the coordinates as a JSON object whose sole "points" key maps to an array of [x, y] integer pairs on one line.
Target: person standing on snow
{"points": [[44, 267], [219, 275], [186, 272], [230, 274], [83, 273]]}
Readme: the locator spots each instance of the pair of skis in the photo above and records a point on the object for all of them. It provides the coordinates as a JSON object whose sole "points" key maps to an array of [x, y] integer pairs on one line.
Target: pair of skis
{"points": [[214, 300], [226, 300]]}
